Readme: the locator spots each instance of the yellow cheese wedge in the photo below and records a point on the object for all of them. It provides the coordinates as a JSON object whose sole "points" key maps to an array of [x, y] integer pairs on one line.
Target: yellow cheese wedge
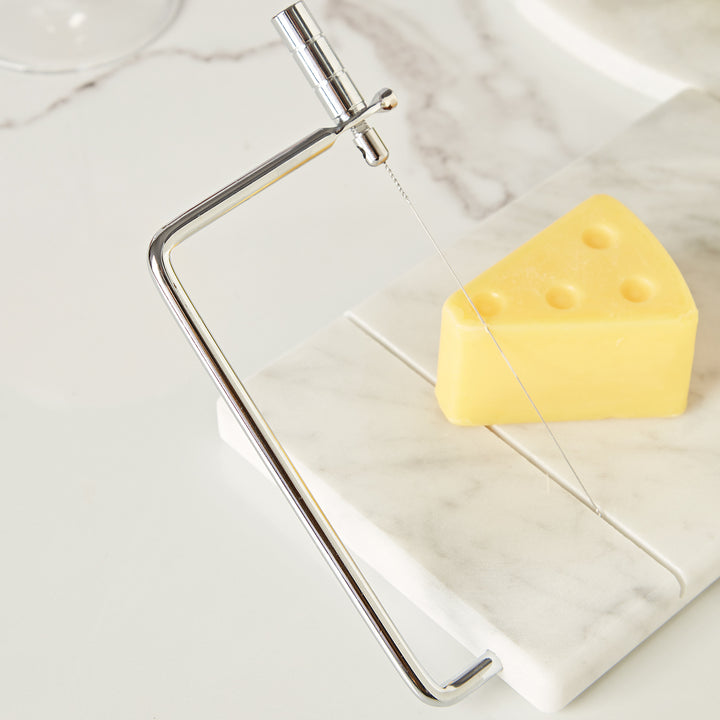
{"points": [[593, 315]]}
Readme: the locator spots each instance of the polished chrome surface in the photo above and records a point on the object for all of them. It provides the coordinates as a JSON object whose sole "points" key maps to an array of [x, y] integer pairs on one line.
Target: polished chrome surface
{"points": [[319, 62], [328, 76], [258, 431], [367, 140]]}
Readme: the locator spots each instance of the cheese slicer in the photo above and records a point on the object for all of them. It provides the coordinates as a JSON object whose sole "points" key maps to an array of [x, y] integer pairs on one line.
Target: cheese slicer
{"points": [[351, 115]]}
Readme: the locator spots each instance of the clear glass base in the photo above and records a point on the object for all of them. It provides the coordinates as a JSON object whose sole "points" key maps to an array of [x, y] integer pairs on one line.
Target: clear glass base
{"points": [[60, 35]]}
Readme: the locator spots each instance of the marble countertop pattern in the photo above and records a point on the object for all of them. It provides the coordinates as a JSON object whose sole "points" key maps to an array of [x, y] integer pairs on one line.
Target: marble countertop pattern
{"points": [[148, 571], [357, 424], [462, 524], [665, 170]]}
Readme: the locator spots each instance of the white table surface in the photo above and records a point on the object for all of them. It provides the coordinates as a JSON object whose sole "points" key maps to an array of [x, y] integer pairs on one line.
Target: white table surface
{"points": [[147, 571]]}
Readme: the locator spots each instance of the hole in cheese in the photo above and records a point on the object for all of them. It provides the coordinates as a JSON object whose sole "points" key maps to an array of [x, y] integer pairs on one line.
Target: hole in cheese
{"points": [[599, 237], [637, 289], [488, 304], [562, 297]]}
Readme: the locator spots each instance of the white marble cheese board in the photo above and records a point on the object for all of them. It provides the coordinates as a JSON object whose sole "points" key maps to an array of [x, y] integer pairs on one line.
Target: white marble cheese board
{"points": [[485, 529]]}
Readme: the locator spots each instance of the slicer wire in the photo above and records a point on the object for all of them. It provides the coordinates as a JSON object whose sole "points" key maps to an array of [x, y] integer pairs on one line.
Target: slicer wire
{"points": [[487, 329]]}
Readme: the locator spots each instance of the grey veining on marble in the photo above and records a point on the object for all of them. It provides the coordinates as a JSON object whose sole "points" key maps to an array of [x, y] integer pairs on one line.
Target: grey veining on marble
{"points": [[200, 131], [481, 120], [195, 34], [679, 38], [488, 122], [658, 479], [98, 79], [554, 590]]}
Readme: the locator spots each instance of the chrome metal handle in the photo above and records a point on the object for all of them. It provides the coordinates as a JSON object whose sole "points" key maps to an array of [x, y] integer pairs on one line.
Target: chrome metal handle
{"points": [[259, 432], [328, 76], [319, 63]]}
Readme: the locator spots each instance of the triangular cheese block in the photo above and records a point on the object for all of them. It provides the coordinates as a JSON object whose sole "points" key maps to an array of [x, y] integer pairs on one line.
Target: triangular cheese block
{"points": [[592, 314]]}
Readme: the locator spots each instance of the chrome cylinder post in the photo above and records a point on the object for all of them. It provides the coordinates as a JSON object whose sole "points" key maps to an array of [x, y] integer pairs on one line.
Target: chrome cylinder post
{"points": [[319, 63], [328, 76]]}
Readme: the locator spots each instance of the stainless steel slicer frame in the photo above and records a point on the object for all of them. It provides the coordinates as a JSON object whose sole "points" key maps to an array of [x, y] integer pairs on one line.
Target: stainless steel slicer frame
{"points": [[351, 113]]}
